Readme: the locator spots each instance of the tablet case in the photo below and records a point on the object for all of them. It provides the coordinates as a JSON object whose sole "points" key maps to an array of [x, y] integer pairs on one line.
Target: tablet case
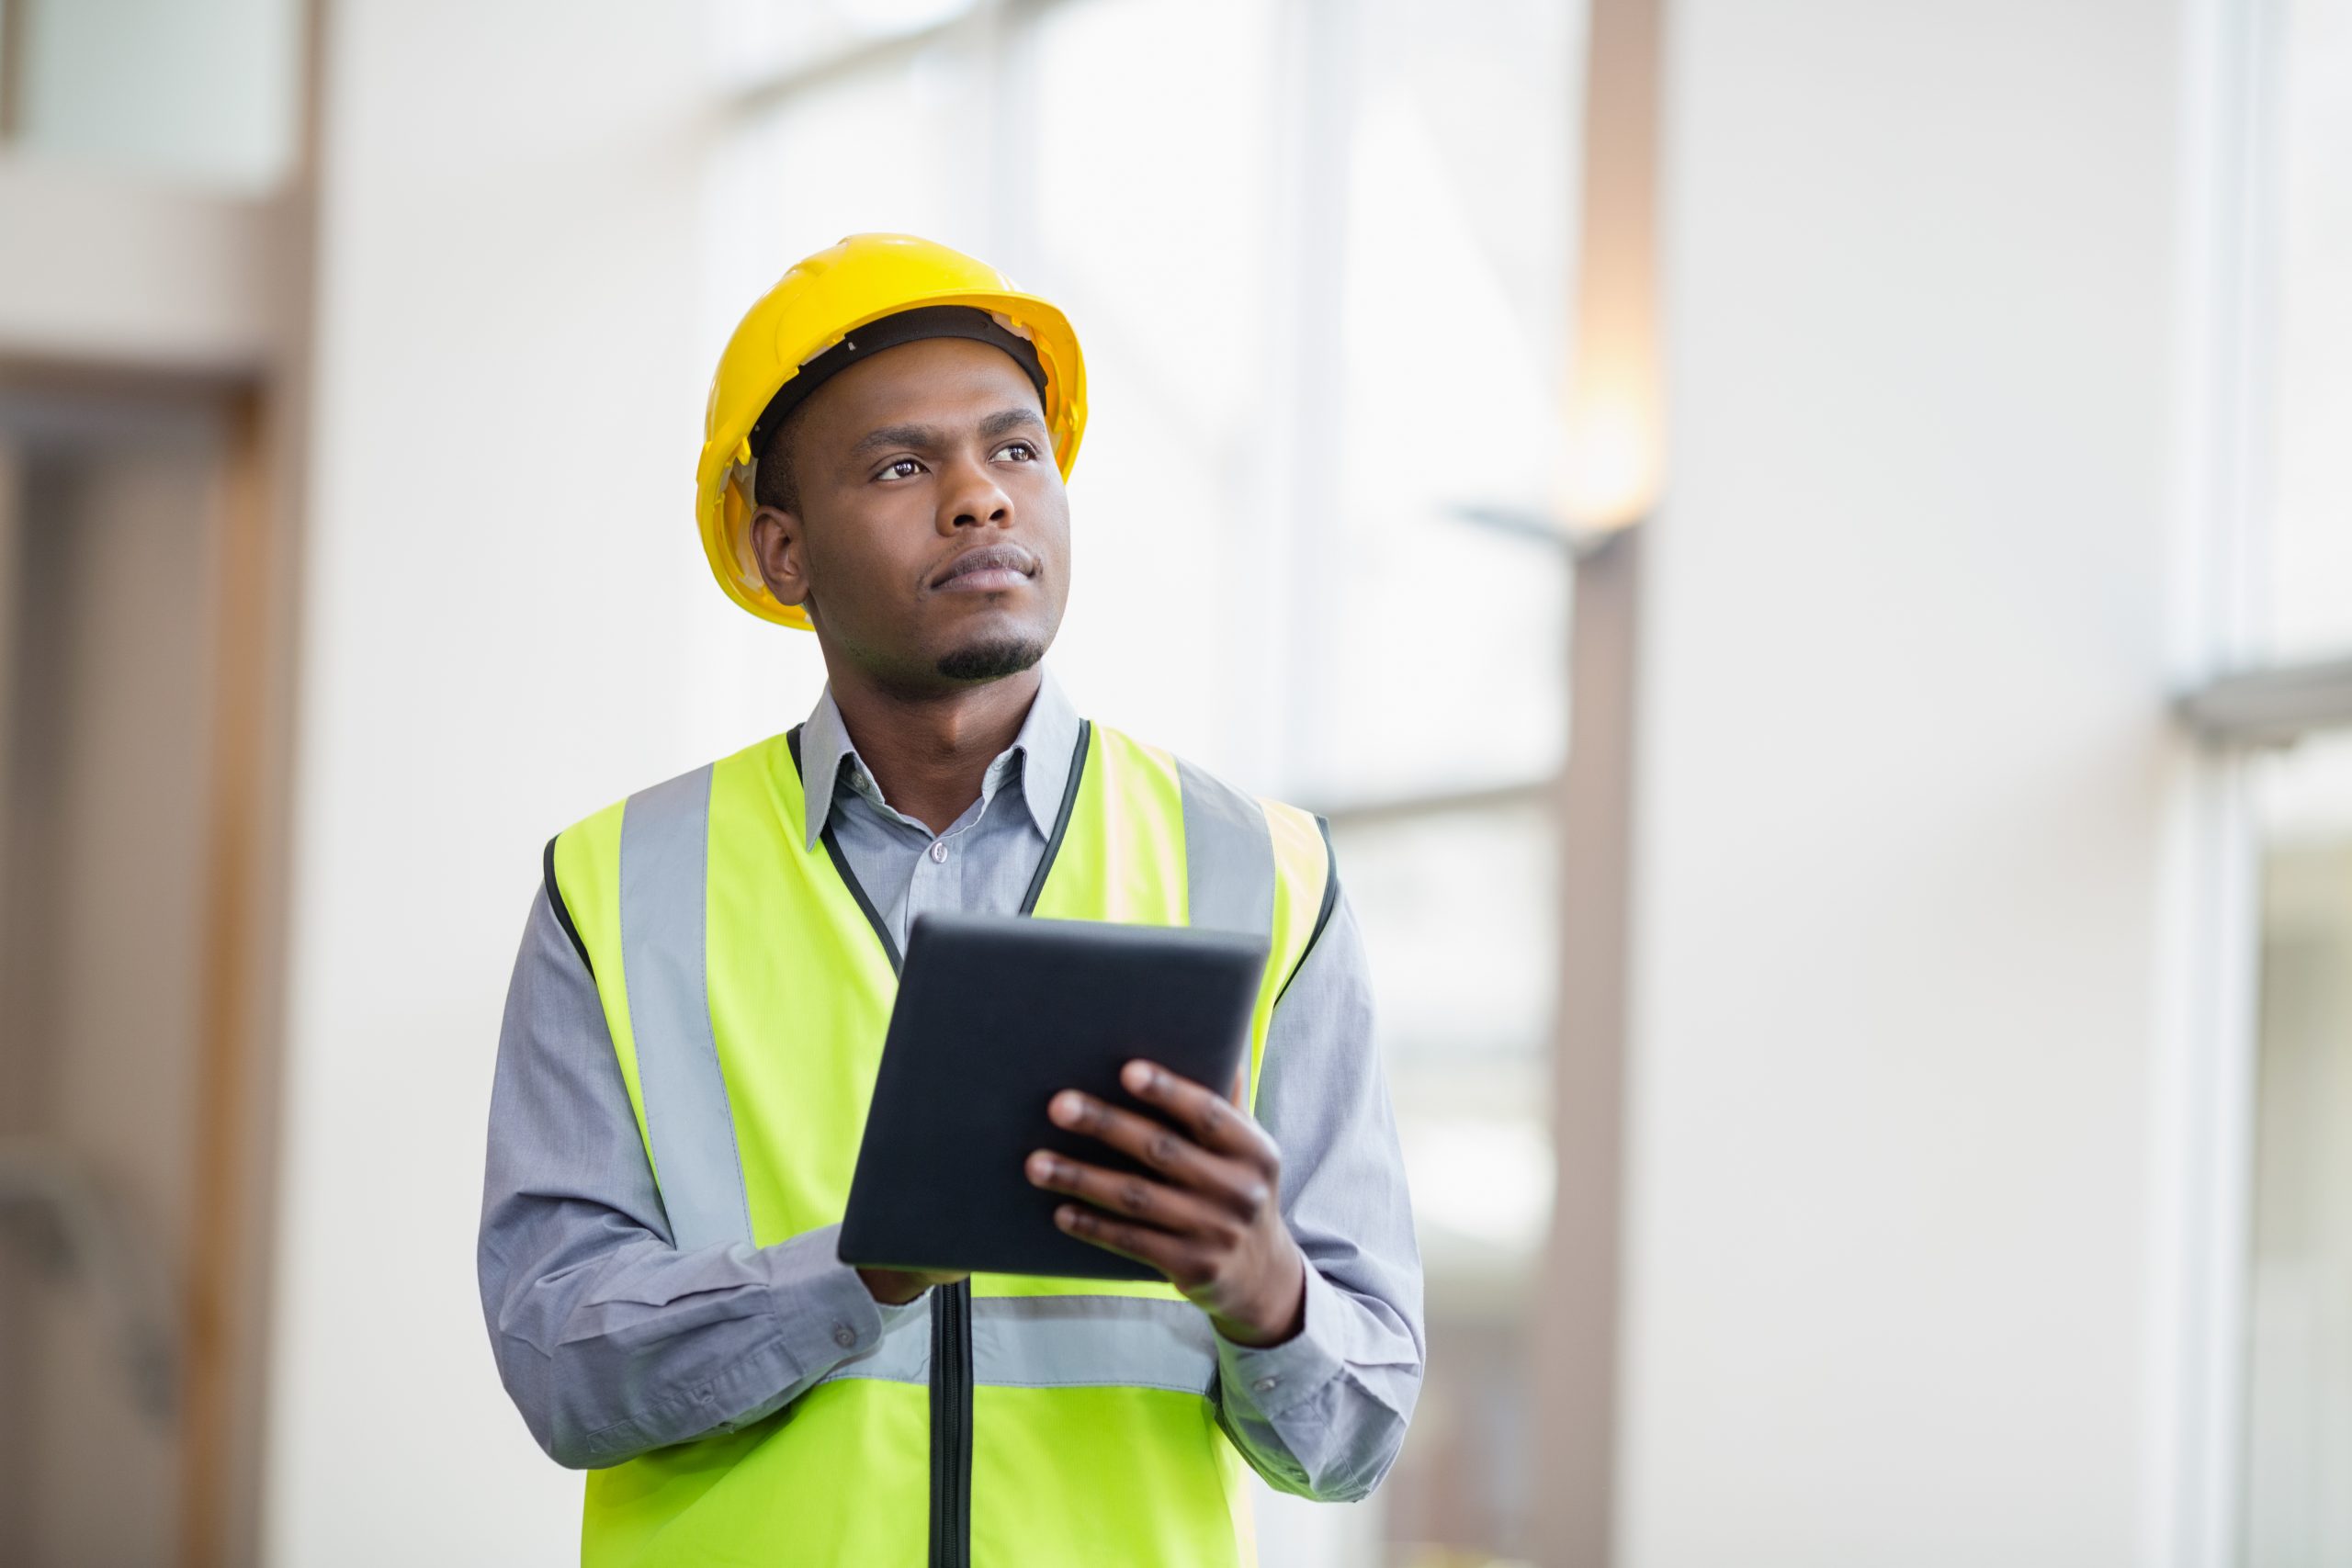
{"points": [[996, 1013]]}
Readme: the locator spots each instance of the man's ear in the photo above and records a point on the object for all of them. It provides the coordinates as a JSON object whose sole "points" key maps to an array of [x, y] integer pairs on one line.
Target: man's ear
{"points": [[777, 544]]}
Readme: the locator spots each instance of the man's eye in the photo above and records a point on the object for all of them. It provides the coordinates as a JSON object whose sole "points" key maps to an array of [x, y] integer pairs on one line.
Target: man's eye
{"points": [[1021, 450], [901, 467]]}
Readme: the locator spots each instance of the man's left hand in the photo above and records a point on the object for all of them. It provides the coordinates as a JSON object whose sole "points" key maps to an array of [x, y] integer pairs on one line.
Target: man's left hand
{"points": [[1211, 1222]]}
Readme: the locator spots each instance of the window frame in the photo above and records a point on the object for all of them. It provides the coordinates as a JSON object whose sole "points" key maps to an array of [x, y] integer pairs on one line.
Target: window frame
{"points": [[2235, 704]]}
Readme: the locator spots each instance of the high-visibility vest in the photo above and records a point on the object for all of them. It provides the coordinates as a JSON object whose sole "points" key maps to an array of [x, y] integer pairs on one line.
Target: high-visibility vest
{"points": [[747, 983]]}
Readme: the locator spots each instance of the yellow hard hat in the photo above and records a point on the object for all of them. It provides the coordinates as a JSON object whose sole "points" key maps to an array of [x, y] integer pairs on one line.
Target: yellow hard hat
{"points": [[812, 309]]}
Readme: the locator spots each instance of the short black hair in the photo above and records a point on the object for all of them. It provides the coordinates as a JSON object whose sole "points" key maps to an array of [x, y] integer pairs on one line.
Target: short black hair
{"points": [[773, 482]]}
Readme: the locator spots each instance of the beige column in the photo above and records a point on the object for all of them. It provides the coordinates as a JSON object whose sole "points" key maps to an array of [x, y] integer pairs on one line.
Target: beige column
{"points": [[1615, 456]]}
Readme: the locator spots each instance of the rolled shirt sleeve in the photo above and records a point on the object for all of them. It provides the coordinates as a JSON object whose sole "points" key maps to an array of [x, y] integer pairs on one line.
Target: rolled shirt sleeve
{"points": [[610, 1341], [1324, 1413]]}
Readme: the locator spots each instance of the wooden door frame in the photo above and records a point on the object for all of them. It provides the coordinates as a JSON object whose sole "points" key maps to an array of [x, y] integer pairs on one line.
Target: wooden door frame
{"points": [[221, 1325]]}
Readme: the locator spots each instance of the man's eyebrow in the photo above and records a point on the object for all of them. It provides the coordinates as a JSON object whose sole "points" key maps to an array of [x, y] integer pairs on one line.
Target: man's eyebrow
{"points": [[1005, 421], [922, 436], [930, 437]]}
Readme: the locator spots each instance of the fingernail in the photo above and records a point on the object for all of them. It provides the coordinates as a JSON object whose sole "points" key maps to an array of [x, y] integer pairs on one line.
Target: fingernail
{"points": [[1041, 1167], [1065, 1107], [1136, 1075]]}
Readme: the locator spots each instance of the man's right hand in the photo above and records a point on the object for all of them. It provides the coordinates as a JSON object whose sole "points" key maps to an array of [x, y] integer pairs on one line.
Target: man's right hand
{"points": [[897, 1287]]}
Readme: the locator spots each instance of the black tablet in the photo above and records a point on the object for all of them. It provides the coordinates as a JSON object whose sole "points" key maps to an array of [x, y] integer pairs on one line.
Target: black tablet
{"points": [[995, 1014]]}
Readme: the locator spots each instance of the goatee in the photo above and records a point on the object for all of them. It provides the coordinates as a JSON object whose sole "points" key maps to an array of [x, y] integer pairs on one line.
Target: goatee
{"points": [[991, 661]]}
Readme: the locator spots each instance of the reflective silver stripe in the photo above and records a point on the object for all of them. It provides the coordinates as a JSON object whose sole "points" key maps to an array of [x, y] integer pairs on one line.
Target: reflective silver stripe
{"points": [[1092, 1341], [1228, 856], [1059, 1342], [902, 1356], [664, 861]]}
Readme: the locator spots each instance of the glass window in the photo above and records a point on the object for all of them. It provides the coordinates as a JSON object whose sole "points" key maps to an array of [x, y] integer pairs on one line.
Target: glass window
{"points": [[1455, 286], [1461, 922], [2299, 1491], [755, 40], [1149, 226], [872, 150], [1461, 907], [2310, 470], [200, 90]]}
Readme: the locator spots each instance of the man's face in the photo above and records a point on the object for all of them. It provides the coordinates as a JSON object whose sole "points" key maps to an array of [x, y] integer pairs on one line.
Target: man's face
{"points": [[931, 545]]}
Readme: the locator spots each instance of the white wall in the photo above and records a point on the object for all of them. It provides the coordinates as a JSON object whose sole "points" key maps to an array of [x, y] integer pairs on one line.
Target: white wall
{"points": [[501, 582], [1906, 782]]}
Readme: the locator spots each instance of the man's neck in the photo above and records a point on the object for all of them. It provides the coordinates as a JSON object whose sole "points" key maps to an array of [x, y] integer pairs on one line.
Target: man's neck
{"points": [[930, 755]]}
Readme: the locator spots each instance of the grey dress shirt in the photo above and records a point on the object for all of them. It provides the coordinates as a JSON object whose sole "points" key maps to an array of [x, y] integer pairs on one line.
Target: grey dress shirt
{"points": [[612, 1341]]}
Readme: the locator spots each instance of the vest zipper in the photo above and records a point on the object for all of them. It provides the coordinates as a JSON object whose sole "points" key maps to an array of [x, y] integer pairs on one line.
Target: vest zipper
{"points": [[951, 1426], [951, 1306]]}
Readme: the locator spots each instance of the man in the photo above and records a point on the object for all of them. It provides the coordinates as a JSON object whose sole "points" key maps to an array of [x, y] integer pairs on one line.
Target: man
{"points": [[690, 1035]]}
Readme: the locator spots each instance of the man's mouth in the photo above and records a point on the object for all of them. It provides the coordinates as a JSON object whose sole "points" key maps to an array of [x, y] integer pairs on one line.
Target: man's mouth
{"points": [[989, 568]]}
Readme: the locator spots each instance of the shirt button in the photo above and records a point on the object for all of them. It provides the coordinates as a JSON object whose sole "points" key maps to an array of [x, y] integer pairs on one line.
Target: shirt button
{"points": [[844, 1335], [1265, 1385], [939, 849]]}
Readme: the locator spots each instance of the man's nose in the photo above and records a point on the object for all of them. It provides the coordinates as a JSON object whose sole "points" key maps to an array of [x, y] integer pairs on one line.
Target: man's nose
{"points": [[972, 498]]}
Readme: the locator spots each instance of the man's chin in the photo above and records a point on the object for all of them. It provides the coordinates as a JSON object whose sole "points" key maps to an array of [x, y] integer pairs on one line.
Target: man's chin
{"points": [[991, 658]]}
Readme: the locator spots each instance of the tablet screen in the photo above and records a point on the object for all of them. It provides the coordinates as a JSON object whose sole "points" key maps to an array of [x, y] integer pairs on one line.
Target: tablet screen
{"points": [[995, 1014]]}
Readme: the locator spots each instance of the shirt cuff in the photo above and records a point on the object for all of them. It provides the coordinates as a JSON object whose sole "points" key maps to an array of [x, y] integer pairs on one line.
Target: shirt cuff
{"points": [[823, 1310], [1274, 1380]]}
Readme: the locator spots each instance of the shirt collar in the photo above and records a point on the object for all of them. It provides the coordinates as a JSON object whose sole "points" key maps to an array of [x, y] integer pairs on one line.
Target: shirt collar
{"points": [[1042, 749]]}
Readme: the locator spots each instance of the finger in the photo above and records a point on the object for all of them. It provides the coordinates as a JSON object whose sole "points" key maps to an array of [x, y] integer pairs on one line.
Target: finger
{"points": [[1214, 1123], [1172, 1255], [1137, 1197], [1162, 1148]]}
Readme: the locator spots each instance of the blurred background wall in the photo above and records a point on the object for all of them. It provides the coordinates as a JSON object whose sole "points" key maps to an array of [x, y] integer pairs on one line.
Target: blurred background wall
{"points": [[1874, 1065], [493, 643]]}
